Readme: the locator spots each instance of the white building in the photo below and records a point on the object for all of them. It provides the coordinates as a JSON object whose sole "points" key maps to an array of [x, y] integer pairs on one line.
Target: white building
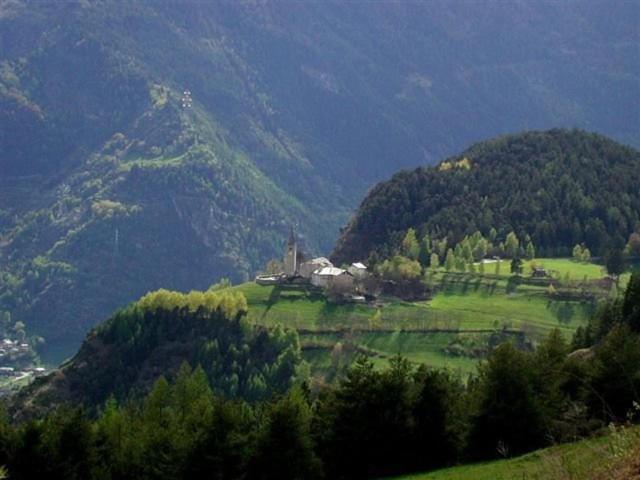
{"points": [[332, 276], [358, 270], [307, 268]]}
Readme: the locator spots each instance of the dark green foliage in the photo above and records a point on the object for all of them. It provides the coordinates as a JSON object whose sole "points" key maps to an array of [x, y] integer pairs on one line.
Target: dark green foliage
{"points": [[560, 187], [438, 419], [371, 424], [611, 313], [616, 375], [631, 303], [614, 261], [516, 266], [508, 417], [284, 448], [378, 423]]}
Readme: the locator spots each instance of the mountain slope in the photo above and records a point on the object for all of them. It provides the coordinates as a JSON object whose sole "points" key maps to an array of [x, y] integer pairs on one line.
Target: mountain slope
{"points": [[560, 187], [297, 109]]}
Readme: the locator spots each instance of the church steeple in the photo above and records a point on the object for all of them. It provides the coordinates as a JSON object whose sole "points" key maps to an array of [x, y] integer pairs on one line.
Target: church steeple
{"points": [[291, 255], [292, 237]]}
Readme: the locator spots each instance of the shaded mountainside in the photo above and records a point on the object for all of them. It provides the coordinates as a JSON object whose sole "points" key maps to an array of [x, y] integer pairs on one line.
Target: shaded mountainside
{"points": [[110, 188], [125, 355], [560, 187]]}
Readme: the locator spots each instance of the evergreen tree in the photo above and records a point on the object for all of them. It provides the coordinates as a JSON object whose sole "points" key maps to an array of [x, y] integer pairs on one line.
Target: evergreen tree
{"points": [[285, 449], [615, 262], [631, 303], [530, 252], [435, 261], [512, 245], [450, 261], [516, 266], [410, 246], [425, 251], [508, 418]]}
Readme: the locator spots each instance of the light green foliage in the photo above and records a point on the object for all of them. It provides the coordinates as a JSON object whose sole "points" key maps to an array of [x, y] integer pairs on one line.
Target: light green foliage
{"points": [[512, 245], [530, 251], [400, 268], [450, 261], [231, 302], [410, 247], [434, 261]]}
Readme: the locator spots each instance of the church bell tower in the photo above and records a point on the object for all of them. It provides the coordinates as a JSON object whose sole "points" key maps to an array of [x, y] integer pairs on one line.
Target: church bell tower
{"points": [[291, 256]]}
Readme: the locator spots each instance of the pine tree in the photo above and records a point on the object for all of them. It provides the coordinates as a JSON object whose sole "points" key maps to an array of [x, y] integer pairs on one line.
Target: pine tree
{"points": [[450, 261], [530, 252], [512, 245], [435, 261], [410, 245]]}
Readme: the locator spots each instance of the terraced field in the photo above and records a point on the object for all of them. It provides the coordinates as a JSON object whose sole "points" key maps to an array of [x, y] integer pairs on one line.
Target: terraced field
{"points": [[467, 314]]}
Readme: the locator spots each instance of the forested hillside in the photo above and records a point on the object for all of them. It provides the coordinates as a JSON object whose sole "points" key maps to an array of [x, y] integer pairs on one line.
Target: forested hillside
{"points": [[125, 355], [164, 144], [559, 188]]}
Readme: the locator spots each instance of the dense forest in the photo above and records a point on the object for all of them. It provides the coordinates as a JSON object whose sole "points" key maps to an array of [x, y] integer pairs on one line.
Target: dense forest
{"points": [[559, 188], [374, 422], [124, 356]]}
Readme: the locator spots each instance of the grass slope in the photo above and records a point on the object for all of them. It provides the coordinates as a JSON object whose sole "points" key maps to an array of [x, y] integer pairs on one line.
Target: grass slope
{"points": [[451, 330], [603, 457]]}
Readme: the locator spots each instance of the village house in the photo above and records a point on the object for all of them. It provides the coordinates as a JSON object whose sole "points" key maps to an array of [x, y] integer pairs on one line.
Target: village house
{"points": [[329, 277], [319, 272], [307, 268], [358, 270]]}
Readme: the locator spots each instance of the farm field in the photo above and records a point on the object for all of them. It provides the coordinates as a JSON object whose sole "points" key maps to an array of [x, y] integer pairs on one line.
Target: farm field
{"points": [[558, 268], [454, 329], [607, 456]]}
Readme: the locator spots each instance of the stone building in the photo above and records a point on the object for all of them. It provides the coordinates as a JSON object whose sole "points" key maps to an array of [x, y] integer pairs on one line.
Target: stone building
{"points": [[291, 256], [307, 268]]}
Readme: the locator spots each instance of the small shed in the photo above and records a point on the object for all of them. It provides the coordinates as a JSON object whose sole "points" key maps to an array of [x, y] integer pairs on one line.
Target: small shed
{"points": [[539, 272]]}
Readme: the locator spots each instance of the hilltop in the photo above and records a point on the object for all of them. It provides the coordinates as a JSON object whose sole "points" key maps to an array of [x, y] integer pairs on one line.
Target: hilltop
{"points": [[559, 188], [113, 183], [154, 337]]}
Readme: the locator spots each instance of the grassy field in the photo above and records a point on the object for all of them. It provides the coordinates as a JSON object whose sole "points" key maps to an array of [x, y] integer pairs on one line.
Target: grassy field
{"points": [[558, 268], [444, 331], [605, 457]]}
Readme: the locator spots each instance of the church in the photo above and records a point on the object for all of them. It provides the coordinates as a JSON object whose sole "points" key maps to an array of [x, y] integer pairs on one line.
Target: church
{"points": [[318, 271]]}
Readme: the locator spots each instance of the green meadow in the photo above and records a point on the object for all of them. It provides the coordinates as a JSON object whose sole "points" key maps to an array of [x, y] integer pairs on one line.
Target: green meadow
{"points": [[595, 458], [453, 329]]}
